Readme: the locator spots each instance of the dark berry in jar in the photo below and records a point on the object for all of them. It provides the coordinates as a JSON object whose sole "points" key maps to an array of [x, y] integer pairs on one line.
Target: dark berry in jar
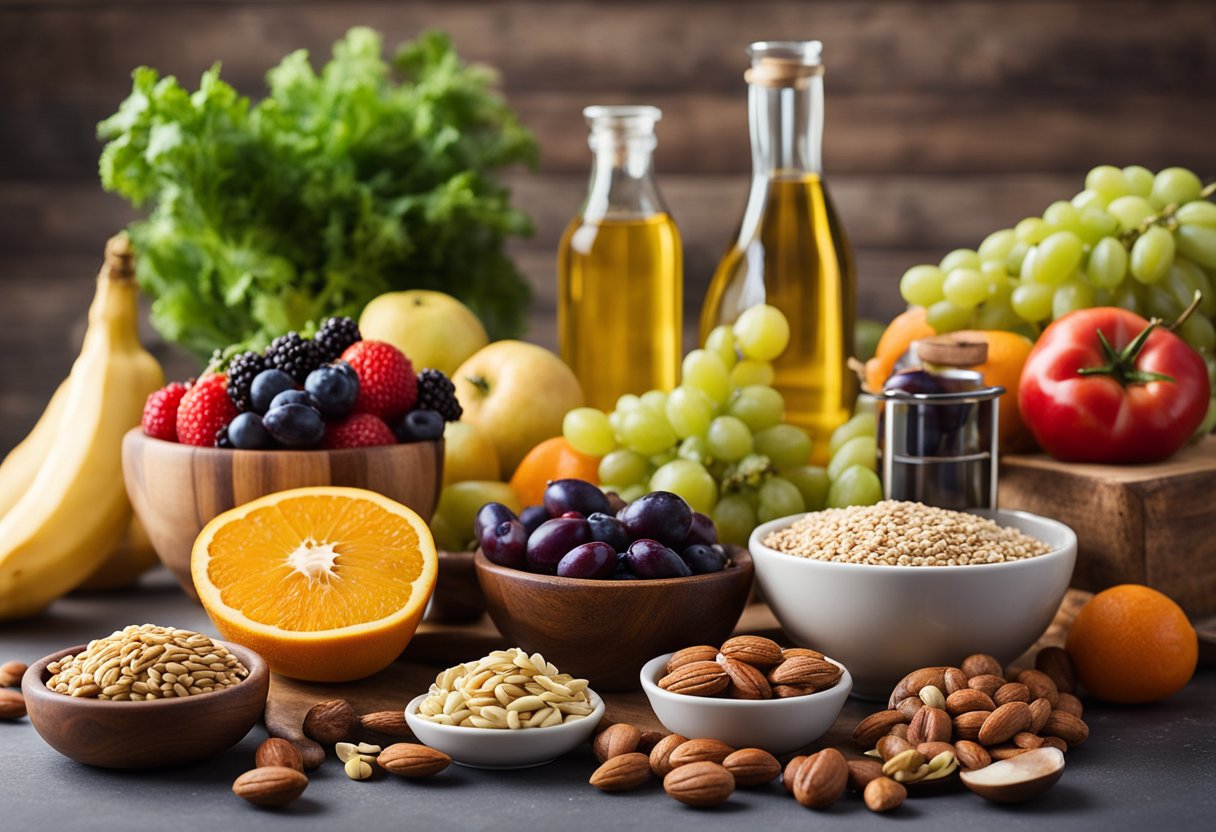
{"points": [[702, 530], [651, 559], [553, 539], [266, 385], [913, 381], [420, 426], [505, 544], [294, 425], [590, 560], [532, 517], [702, 559], [659, 515], [566, 495], [247, 433], [608, 529], [334, 390]]}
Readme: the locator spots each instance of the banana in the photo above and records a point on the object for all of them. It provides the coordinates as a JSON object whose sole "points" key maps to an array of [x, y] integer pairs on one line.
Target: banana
{"points": [[22, 463], [75, 511]]}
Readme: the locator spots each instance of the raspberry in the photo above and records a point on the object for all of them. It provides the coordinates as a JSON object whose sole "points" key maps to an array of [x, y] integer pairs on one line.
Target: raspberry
{"points": [[359, 431], [387, 385], [204, 410], [160, 412]]}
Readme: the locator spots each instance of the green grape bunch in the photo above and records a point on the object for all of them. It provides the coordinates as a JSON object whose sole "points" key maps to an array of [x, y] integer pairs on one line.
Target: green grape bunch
{"points": [[1134, 239], [720, 441]]}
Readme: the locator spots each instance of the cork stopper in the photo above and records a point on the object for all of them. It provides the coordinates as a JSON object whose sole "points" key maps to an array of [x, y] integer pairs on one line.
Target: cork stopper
{"points": [[951, 350], [781, 72]]}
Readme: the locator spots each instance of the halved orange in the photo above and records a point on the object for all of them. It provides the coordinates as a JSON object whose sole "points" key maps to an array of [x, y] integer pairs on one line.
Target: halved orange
{"points": [[328, 584]]}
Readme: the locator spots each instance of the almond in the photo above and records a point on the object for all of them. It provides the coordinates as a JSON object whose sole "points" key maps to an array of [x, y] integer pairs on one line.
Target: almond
{"points": [[1004, 722], [791, 771], [700, 784], [929, 725], [900, 730], [409, 759], [954, 679], [746, 682], [981, 664], [1057, 664], [787, 691], [699, 751], [967, 726], [971, 755], [986, 683], [1056, 743], [615, 740], [891, 745], [270, 786], [967, 699], [700, 653], [649, 740], [790, 652], [12, 704], [1006, 751], [699, 678], [932, 749], [803, 670], [908, 707], [882, 794], [331, 721], [754, 650], [278, 752], [1070, 704], [1040, 686], [11, 673], [875, 726], [1040, 709], [752, 767], [1067, 727], [1011, 692], [911, 684], [622, 773], [660, 755], [1025, 739], [821, 779], [386, 723], [861, 772]]}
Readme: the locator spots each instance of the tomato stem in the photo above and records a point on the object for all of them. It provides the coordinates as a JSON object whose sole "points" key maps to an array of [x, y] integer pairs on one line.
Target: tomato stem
{"points": [[1121, 365]]}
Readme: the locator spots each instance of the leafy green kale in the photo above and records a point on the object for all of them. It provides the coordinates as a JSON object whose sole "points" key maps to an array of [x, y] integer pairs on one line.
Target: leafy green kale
{"points": [[335, 188]]}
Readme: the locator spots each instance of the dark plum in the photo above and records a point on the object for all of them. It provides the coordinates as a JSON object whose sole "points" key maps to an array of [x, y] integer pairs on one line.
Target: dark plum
{"points": [[702, 559], [489, 517], [651, 559], [295, 425], [702, 530], [590, 560], [506, 544], [659, 515], [532, 517], [574, 495], [608, 529], [553, 539]]}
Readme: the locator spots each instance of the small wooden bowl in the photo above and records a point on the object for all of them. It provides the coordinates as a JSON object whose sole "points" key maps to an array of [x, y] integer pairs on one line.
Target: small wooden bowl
{"points": [[163, 732], [177, 489], [604, 631]]}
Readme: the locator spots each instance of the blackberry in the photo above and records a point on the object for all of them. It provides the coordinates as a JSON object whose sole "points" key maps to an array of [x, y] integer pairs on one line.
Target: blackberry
{"points": [[221, 438], [334, 336], [436, 392], [242, 369], [293, 354]]}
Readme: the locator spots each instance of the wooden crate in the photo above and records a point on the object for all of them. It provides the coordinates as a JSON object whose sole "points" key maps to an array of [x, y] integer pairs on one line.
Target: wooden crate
{"points": [[1146, 524]]}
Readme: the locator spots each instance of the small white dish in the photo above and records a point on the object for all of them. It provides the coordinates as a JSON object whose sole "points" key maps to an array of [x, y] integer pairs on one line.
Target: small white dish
{"points": [[496, 748], [776, 725]]}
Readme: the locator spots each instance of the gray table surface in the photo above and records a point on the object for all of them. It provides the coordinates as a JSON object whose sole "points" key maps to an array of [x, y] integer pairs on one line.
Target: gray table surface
{"points": [[1143, 768]]}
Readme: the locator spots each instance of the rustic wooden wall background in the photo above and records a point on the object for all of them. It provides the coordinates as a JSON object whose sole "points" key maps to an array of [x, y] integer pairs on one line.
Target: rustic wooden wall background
{"points": [[945, 120]]}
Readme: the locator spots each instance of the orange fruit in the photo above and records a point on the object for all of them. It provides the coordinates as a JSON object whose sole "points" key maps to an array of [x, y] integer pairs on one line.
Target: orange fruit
{"points": [[1007, 353], [327, 584], [1133, 644], [553, 459]]}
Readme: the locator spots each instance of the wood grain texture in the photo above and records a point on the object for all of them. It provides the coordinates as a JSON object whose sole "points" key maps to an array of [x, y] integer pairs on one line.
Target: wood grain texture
{"points": [[177, 489], [135, 735], [1147, 524]]}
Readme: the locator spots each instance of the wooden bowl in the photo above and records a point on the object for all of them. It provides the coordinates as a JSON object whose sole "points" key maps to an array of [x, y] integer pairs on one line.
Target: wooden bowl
{"points": [[163, 732], [604, 631], [177, 489]]}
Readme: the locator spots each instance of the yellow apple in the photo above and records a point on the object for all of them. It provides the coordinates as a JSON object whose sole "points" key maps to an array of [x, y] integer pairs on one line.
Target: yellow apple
{"points": [[468, 454], [431, 328], [518, 394]]}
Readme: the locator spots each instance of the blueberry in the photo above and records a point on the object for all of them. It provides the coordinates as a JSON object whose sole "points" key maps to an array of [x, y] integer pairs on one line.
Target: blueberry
{"points": [[420, 426], [607, 528], [293, 397], [266, 385], [295, 425], [333, 389], [247, 433], [703, 559]]}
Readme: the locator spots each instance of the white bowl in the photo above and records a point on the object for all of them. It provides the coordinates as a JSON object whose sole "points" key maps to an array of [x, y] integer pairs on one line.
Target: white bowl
{"points": [[885, 621], [776, 725], [502, 748]]}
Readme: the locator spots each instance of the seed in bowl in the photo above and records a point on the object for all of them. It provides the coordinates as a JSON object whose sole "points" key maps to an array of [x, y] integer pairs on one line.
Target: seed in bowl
{"points": [[143, 662], [895, 533], [507, 689]]}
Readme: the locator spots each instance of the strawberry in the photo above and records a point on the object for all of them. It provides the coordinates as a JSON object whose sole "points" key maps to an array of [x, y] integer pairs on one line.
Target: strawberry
{"points": [[160, 412], [360, 430], [387, 385], [204, 410]]}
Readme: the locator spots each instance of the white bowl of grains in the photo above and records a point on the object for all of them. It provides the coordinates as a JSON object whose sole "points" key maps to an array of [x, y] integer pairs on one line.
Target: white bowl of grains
{"points": [[888, 588]]}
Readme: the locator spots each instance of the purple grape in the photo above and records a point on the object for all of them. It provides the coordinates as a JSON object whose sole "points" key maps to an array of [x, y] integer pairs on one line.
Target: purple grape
{"points": [[659, 515], [506, 544], [702, 531], [489, 517], [553, 539], [913, 381], [591, 560], [651, 559], [562, 496], [607, 528], [532, 517], [702, 559]]}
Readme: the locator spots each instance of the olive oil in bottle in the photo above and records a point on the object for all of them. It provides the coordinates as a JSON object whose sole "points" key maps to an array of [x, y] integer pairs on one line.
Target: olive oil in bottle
{"points": [[620, 267], [790, 250]]}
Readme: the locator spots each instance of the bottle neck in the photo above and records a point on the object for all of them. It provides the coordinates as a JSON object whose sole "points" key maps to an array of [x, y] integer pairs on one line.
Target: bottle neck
{"points": [[786, 128], [623, 185]]}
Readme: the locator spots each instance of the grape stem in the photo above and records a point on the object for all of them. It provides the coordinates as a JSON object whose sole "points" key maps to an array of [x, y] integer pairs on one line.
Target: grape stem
{"points": [[1165, 218], [1186, 313]]}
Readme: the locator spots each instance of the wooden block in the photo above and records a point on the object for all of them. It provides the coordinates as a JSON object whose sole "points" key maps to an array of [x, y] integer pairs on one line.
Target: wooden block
{"points": [[1146, 524]]}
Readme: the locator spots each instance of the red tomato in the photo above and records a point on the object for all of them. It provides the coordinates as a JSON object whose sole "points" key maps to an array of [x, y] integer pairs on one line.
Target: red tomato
{"points": [[1132, 399]]}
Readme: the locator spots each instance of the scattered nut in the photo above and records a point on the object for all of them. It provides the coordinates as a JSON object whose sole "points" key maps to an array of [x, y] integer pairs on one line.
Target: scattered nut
{"points": [[1056, 743], [875, 726], [649, 740], [699, 751], [1025, 739], [971, 755], [700, 784], [909, 706], [270, 786], [1040, 709], [932, 749], [615, 740], [407, 759], [967, 726], [954, 679], [932, 696], [882, 794], [12, 704], [386, 723], [278, 752], [1057, 664], [791, 771], [1070, 704], [752, 767], [968, 699], [1067, 727], [892, 746], [699, 653], [1011, 692], [987, 684], [660, 755], [929, 725], [911, 684], [11, 673], [821, 779], [1040, 686], [1004, 722], [756, 651], [861, 772], [331, 721], [622, 772], [908, 760], [358, 768], [981, 664]]}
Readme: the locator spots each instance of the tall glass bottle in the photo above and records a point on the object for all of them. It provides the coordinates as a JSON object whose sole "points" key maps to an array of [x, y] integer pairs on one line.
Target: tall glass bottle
{"points": [[790, 250], [620, 267]]}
